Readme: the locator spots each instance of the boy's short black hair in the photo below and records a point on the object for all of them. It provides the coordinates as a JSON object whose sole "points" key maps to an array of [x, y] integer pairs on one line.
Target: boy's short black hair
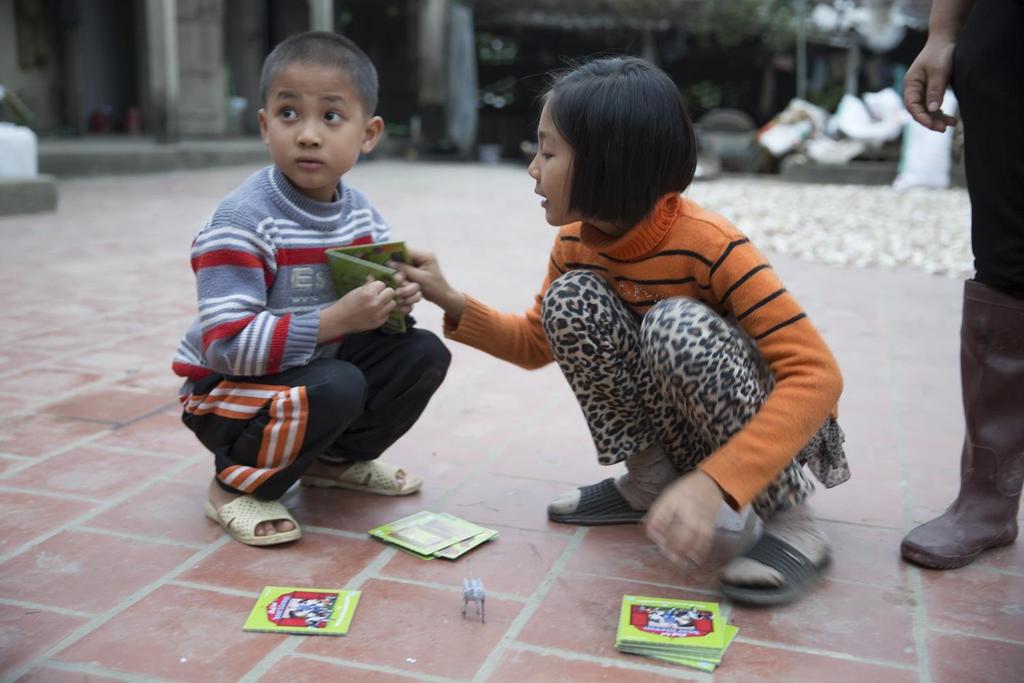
{"points": [[325, 49], [632, 139]]}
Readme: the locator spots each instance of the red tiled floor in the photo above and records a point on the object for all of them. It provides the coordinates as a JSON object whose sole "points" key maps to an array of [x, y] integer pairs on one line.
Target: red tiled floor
{"points": [[39, 434], [45, 381], [491, 499], [495, 445], [298, 669], [85, 571], [10, 404], [8, 463], [24, 516], [125, 358], [748, 663], [48, 674], [958, 658], [11, 358], [359, 512], [625, 552], [1008, 557], [27, 632], [171, 511], [314, 560], [156, 379], [860, 500], [863, 621], [867, 554], [397, 622], [519, 666], [89, 471], [581, 613], [159, 433], [110, 405], [177, 634], [973, 600], [514, 563]]}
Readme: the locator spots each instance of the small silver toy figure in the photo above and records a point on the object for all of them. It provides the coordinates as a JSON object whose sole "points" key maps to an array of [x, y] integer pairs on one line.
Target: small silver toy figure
{"points": [[473, 591]]}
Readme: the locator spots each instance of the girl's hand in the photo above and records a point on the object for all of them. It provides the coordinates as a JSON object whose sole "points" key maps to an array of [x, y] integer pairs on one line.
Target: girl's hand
{"points": [[682, 520], [364, 308], [424, 270], [406, 294]]}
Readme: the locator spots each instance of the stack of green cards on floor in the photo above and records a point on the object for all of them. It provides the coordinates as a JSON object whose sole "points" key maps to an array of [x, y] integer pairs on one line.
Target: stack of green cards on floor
{"points": [[427, 535], [351, 265], [305, 611], [678, 631]]}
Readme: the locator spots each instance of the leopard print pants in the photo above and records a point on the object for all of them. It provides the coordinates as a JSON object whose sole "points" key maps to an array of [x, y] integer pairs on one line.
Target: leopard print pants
{"points": [[681, 376]]}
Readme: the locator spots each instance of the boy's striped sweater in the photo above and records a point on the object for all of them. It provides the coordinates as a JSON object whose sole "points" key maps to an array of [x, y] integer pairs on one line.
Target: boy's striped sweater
{"points": [[262, 278], [684, 250]]}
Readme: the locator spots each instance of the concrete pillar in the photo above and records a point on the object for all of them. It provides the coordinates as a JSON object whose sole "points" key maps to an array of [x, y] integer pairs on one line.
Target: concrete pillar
{"points": [[432, 88], [246, 46], [161, 78], [321, 15]]}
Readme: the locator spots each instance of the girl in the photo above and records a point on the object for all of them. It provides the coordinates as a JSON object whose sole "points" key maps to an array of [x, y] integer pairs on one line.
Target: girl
{"points": [[689, 358]]}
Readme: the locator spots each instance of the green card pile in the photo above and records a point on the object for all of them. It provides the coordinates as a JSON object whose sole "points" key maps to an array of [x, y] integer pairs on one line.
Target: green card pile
{"points": [[684, 632], [427, 535], [351, 265], [303, 611]]}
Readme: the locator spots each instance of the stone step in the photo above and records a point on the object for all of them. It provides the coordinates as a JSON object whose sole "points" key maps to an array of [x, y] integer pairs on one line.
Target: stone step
{"points": [[27, 195]]}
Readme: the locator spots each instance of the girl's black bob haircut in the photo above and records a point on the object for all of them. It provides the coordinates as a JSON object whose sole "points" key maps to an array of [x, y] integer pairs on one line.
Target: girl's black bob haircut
{"points": [[632, 139]]}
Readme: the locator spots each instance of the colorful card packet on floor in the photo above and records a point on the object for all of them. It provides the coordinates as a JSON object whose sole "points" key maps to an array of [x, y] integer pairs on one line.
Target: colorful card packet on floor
{"points": [[687, 632], [427, 535], [303, 611]]}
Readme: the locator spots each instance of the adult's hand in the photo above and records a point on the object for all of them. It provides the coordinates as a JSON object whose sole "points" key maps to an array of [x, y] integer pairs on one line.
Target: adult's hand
{"points": [[926, 81], [682, 520]]}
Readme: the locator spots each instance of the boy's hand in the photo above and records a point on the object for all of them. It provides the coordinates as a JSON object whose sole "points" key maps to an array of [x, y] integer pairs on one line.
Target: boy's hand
{"points": [[364, 308], [682, 520], [423, 269], [406, 294]]}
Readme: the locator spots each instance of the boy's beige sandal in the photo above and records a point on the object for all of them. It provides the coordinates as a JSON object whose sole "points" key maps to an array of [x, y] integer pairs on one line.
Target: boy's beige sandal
{"points": [[241, 516], [369, 476]]}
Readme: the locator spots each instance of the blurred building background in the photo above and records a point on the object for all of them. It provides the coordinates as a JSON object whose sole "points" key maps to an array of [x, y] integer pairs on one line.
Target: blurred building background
{"points": [[455, 74]]}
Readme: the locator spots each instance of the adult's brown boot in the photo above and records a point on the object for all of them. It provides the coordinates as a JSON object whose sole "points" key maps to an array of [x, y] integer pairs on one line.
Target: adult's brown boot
{"points": [[984, 515]]}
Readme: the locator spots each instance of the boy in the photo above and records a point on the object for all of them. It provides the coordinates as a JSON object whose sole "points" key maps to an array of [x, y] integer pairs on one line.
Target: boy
{"points": [[283, 380]]}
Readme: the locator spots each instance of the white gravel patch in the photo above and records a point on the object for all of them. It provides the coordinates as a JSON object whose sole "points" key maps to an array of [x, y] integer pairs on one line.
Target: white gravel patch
{"points": [[855, 225]]}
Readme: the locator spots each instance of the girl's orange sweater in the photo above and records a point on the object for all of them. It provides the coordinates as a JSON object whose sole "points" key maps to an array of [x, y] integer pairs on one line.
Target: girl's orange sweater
{"points": [[684, 250]]}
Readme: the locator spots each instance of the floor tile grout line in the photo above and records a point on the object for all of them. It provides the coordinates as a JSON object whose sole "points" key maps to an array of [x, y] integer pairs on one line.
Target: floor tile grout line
{"points": [[866, 525], [290, 644], [532, 605], [97, 510], [996, 639], [451, 588], [341, 533], [663, 670], [100, 619], [834, 654], [156, 411], [214, 588], [15, 457], [658, 584], [138, 537], [40, 607], [85, 668], [989, 569], [391, 671], [78, 443], [919, 622], [61, 495]]}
